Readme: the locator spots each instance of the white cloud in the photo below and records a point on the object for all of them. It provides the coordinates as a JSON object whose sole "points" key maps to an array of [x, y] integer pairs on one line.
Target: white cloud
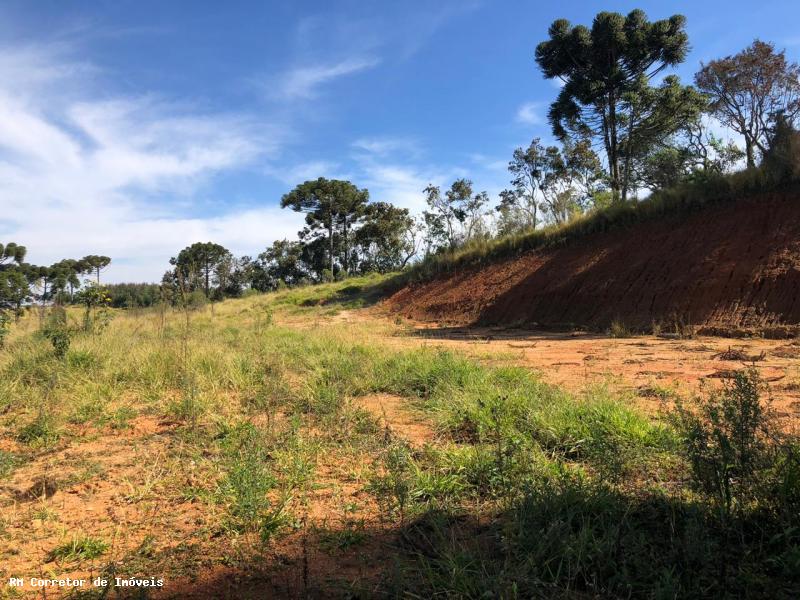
{"points": [[296, 174], [302, 83], [530, 113], [383, 146], [80, 176]]}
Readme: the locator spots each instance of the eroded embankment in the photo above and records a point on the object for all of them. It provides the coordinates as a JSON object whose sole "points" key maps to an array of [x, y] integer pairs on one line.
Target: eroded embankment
{"points": [[730, 267]]}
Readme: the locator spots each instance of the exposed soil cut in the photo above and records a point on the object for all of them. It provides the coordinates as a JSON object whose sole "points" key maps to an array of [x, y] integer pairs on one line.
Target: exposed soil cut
{"points": [[730, 267]]}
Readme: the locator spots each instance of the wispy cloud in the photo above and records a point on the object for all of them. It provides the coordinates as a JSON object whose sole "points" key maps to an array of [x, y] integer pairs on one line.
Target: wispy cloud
{"points": [[383, 146], [302, 83], [489, 163], [530, 113], [298, 173], [114, 176]]}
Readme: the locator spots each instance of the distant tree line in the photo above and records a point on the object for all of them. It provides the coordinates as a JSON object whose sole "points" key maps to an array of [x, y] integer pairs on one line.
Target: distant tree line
{"points": [[345, 234], [22, 283]]}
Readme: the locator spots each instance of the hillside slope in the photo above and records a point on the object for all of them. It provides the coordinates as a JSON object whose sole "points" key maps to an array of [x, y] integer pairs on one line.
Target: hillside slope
{"points": [[729, 267]]}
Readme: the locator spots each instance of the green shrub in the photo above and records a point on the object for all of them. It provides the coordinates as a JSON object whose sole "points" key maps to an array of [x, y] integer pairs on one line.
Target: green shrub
{"points": [[58, 331], [729, 442], [42, 431], [247, 481], [79, 548]]}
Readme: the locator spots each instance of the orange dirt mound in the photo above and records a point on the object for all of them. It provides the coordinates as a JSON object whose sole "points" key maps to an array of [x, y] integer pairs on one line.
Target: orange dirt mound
{"points": [[729, 267]]}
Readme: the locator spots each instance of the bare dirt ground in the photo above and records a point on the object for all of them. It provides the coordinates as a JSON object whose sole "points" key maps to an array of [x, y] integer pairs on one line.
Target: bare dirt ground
{"points": [[393, 413], [652, 368]]}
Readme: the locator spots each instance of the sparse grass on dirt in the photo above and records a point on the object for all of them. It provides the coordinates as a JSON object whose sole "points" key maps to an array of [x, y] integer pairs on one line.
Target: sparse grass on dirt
{"points": [[269, 446]]}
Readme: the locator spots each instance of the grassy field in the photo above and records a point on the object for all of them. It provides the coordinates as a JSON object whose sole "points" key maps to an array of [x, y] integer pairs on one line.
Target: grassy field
{"points": [[269, 447]]}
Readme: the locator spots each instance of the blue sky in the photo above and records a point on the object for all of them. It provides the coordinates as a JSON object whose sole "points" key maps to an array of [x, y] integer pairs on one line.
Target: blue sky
{"points": [[133, 128]]}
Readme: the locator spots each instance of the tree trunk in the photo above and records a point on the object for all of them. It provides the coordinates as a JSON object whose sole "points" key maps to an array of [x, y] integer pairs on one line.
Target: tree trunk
{"points": [[613, 147], [750, 151], [628, 152], [330, 235], [346, 248]]}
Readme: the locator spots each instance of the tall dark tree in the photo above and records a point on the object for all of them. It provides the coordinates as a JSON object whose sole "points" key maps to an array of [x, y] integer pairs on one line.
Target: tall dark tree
{"points": [[331, 206], [69, 271], [15, 290], [607, 96], [15, 281], [195, 265], [749, 90], [782, 158], [95, 264], [281, 262], [385, 240]]}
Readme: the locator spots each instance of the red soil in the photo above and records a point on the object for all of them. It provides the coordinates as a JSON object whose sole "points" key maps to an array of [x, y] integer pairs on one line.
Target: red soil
{"points": [[728, 267]]}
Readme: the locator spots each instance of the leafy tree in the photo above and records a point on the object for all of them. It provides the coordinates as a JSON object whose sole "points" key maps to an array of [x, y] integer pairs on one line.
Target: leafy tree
{"points": [[707, 153], [550, 181], [782, 158], [14, 284], [15, 290], [387, 238], [527, 168], [94, 264], [96, 301], [444, 215], [195, 265], [693, 153], [68, 273], [133, 295], [43, 278], [283, 261], [654, 115], [665, 167], [749, 89], [315, 257], [584, 169], [331, 206], [454, 217], [607, 94], [4, 323], [512, 218]]}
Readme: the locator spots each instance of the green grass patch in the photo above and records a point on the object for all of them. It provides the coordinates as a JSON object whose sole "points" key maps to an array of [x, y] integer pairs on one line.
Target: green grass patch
{"points": [[79, 548]]}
